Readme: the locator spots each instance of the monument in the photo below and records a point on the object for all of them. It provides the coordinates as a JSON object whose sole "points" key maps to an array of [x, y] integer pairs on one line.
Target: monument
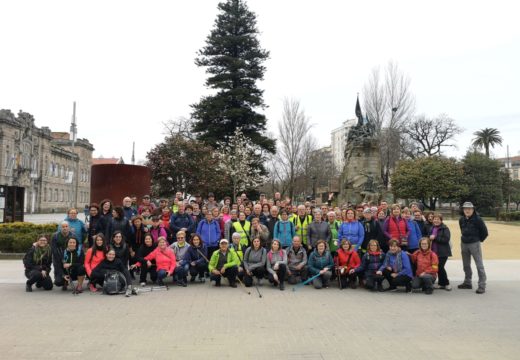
{"points": [[361, 178]]}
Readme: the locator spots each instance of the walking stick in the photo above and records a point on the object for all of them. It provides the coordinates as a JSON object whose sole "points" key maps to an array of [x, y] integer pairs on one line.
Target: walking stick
{"points": [[258, 290], [245, 289], [297, 286]]}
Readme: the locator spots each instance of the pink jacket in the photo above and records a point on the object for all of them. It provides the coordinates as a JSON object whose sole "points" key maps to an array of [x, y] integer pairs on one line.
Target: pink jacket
{"points": [[164, 259]]}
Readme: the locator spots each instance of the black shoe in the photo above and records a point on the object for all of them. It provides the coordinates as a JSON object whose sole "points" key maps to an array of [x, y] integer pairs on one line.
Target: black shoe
{"points": [[282, 286], [38, 285], [180, 283], [28, 288], [192, 279], [380, 287], [391, 288], [428, 291], [465, 286], [160, 282], [233, 284], [217, 283], [480, 290], [408, 288], [184, 283]]}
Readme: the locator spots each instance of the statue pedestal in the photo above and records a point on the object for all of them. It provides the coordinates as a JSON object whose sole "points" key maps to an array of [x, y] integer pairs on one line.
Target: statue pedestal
{"points": [[361, 179]]}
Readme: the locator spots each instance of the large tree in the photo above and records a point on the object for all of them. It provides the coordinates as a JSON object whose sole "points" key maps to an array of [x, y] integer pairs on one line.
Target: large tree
{"points": [[487, 137], [429, 179], [484, 181], [234, 61]]}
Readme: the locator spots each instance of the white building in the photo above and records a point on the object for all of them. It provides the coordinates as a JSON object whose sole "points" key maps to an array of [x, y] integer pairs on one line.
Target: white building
{"points": [[338, 142]]}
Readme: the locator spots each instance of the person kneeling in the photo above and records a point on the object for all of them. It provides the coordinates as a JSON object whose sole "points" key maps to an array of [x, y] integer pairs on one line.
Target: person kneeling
{"points": [[109, 265], [370, 264], [73, 268], [396, 267], [321, 265], [224, 263], [37, 262], [277, 264], [254, 262], [347, 262], [164, 260], [297, 262], [427, 264]]}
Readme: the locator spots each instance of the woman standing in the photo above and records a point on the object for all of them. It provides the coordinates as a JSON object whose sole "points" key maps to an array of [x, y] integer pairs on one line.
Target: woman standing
{"points": [[395, 227], [284, 230], [277, 264], [93, 221], [352, 230], [38, 262], [321, 263], [440, 237], [119, 223]]}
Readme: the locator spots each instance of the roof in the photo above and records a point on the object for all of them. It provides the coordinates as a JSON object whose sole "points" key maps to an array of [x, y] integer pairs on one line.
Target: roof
{"points": [[103, 161]]}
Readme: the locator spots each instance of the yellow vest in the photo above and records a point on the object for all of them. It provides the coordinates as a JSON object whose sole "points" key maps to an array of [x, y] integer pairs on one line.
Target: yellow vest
{"points": [[243, 231], [302, 227]]}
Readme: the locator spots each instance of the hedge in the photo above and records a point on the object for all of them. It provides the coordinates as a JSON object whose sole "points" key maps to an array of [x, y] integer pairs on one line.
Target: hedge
{"points": [[510, 216], [19, 236]]}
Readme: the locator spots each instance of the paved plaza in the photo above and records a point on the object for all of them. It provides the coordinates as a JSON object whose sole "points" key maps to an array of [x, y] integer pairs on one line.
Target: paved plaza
{"points": [[201, 322]]}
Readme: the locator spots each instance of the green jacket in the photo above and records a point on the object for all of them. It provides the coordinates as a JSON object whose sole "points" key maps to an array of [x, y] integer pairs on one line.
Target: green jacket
{"points": [[232, 260], [334, 231]]}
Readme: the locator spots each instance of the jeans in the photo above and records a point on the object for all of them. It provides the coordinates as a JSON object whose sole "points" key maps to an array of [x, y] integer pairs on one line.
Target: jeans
{"points": [[161, 275], [475, 250]]}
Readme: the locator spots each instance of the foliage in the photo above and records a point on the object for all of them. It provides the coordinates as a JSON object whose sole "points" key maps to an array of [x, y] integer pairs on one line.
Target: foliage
{"points": [[510, 216], [429, 179], [19, 236], [487, 137], [483, 179], [515, 192], [238, 162], [180, 164], [233, 58]]}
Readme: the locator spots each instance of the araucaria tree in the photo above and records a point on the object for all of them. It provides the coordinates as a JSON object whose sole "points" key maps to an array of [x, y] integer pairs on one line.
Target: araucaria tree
{"points": [[238, 160], [233, 59]]}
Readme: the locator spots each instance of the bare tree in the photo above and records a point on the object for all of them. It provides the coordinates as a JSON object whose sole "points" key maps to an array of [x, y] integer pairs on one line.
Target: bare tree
{"points": [[390, 104], [294, 142], [429, 136], [182, 126]]}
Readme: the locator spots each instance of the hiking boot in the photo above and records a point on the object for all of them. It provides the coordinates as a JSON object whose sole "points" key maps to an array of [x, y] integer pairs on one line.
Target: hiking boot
{"points": [[217, 282], [408, 288], [185, 283], [92, 287], [28, 288], [380, 287], [465, 286], [480, 290]]}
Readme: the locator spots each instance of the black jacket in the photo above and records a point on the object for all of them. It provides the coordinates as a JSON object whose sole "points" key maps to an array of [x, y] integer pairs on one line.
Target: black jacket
{"points": [[122, 252], [473, 229], [373, 231], [441, 243], [143, 252], [30, 264], [270, 223], [136, 237]]}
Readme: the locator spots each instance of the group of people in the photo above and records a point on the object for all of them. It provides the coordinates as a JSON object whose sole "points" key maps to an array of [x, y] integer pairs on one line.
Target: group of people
{"points": [[244, 242]]}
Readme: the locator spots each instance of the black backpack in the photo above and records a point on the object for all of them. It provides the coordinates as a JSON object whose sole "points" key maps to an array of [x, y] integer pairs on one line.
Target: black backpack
{"points": [[114, 284]]}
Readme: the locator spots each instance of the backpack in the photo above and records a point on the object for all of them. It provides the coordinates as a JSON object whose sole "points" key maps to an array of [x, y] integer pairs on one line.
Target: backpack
{"points": [[114, 284]]}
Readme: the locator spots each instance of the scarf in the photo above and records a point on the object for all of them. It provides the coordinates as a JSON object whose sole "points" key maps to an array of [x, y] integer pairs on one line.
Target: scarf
{"points": [[398, 264], [40, 253]]}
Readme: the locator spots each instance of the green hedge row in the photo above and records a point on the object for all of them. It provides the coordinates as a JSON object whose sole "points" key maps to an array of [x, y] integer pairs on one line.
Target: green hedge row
{"points": [[511, 216], [19, 236]]}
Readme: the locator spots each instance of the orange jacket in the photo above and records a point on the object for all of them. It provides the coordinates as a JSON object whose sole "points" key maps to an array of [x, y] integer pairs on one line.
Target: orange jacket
{"points": [[164, 259], [347, 256], [427, 261], [91, 265]]}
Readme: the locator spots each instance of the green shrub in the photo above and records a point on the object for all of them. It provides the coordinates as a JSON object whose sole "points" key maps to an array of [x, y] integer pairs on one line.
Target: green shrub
{"points": [[511, 216], [18, 237]]}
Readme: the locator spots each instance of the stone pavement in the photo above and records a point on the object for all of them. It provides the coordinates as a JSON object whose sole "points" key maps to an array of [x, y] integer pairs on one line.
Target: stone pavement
{"points": [[200, 322]]}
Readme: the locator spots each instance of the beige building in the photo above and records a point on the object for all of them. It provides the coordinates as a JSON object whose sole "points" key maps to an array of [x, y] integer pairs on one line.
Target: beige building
{"points": [[513, 166], [338, 142], [54, 171]]}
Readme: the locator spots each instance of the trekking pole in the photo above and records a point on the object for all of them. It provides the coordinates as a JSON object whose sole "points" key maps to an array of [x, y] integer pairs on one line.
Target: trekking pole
{"points": [[258, 290], [297, 286], [245, 289]]}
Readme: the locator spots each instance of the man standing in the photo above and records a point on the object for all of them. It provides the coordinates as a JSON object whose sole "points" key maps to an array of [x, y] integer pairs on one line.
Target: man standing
{"points": [[128, 210], [58, 245], [473, 231], [317, 230]]}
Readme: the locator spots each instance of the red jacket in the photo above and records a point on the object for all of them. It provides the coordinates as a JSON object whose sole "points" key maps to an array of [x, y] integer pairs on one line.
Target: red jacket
{"points": [[89, 266], [348, 257], [164, 259], [396, 228], [427, 261]]}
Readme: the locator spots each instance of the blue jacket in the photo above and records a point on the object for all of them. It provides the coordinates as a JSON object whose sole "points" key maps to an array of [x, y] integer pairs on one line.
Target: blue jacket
{"points": [[284, 231], [194, 255], [179, 221], [78, 228], [414, 235], [318, 262], [209, 232], [390, 260], [353, 231], [129, 212]]}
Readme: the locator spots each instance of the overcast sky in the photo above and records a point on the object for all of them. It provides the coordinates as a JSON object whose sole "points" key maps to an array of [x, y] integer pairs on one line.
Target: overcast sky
{"points": [[130, 65]]}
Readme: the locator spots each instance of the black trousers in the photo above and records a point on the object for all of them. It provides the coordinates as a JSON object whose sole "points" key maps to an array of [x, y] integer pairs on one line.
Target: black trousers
{"points": [[36, 277], [74, 271], [282, 269], [297, 275], [145, 270], [230, 274], [259, 273], [347, 279], [198, 269], [400, 280], [443, 275]]}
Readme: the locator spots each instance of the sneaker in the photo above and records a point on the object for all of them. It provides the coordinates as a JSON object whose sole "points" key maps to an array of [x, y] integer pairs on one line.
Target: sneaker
{"points": [[437, 286], [202, 280], [92, 287], [448, 288], [135, 291], [128, 292], [28, 288], [260, 282], [465, 286], [79, 289], [142, 284], [480, 290]]}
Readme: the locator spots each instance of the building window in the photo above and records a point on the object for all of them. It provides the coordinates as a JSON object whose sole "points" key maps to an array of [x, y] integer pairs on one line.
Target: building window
{"points": [[55, 195], [44, 194], [50, 195], [515, 173]]}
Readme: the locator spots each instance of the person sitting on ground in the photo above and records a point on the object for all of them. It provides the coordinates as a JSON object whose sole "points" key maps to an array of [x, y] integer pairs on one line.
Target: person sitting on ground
{"points": [[321, 263], [197, 258], [370, 264], [180, 249], [38, 262], [146, 248], [396, 267], [95, 255], [164, 260], [224, 263], [73, 264], [254, 262], [347, 261], [109, 264], [427, 267], [297, 262], [239, 249], [440, 237], [277, 264]]}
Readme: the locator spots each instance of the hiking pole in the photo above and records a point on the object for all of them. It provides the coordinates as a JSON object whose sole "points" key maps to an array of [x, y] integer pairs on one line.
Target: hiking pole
{"points": [[305, 282], [245, 289], [257, 290]]}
